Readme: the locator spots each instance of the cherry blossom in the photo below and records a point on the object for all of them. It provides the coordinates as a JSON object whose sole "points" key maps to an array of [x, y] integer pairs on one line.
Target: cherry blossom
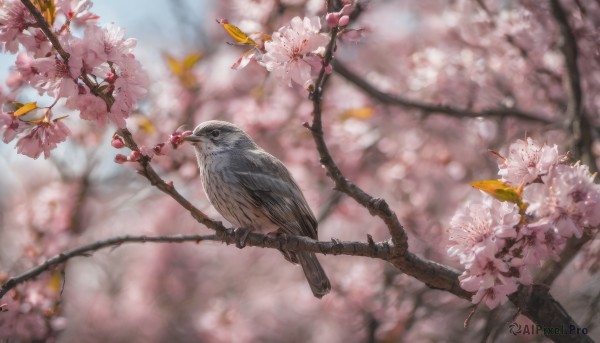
{"points": [[12, 126], [14, 19], [568, 199], [479, 229], [43, 137], [527, 161], [77, 11], [292, 54]]}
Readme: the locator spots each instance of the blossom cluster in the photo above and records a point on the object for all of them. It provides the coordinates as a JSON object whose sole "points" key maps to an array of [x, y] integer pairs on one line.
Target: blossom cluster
{"points": [[293, 53], [501, 243], [97, 74]]}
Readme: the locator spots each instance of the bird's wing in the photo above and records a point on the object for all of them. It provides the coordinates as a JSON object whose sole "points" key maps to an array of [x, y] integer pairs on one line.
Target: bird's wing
{"points": [[270, 187]]}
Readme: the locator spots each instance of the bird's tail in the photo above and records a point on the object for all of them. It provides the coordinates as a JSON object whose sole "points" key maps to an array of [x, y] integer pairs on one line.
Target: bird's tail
{"points": [[319, 283]]}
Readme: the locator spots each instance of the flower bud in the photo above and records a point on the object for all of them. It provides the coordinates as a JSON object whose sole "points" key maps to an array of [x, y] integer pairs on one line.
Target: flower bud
{"points": [[120, 158], [332, 19], [344, 20], [117, 142], [134, 156]]}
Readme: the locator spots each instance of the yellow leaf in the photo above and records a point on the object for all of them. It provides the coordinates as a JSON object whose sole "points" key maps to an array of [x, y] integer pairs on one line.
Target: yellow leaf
{"points": [[23, 109], [48, 10], [499, 190], [236, 33], [174, 65], [190, 60], [55, 282], [183, 68], [144, 123], [361, 113]]}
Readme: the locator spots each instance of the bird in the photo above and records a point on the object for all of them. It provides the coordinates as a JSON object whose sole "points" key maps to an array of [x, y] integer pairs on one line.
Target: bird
{"points": [[254, 190]]}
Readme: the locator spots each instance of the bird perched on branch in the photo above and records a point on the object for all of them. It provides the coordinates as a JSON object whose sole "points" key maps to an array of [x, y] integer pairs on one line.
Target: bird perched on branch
{"points": [[254, 191]]}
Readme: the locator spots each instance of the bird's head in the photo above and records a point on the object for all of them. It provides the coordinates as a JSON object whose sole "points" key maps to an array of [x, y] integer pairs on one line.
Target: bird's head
{"points": [[216, 136]]}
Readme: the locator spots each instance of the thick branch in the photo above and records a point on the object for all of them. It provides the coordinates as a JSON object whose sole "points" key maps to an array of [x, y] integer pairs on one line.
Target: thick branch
{"points": [[577, 122], [395, 100], [536, 303], [580, 128]]}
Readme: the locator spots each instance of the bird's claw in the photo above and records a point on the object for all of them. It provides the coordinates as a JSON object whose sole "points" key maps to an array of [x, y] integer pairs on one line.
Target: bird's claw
{"points": [[241, 235]]}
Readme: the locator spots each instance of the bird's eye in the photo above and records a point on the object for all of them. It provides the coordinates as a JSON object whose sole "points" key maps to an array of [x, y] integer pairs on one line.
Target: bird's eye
{"points": [[215, 133]]}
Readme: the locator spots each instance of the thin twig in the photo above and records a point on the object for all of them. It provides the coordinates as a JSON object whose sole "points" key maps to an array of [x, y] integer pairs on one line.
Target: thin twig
{"points": [[396, 100]]}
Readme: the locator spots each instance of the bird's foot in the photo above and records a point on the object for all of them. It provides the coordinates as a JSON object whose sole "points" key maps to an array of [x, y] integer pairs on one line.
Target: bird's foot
{"points": [[241, 235]]}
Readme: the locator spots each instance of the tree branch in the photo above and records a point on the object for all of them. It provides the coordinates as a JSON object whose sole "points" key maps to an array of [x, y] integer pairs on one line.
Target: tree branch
{"points": [[575, 118], [395, 100], [376, 206], [380, 250], [537, 303], [580, 128]]}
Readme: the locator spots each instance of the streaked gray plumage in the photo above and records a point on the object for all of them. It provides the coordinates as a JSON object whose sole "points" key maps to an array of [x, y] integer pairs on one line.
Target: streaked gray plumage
{"points": [[254, 190]]}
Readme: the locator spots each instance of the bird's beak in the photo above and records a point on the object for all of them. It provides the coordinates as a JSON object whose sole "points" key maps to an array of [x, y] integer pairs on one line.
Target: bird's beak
{"points": [[192, 139]]}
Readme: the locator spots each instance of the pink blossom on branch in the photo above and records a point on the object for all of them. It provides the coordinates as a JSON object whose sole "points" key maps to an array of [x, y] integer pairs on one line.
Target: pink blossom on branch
{"points": [[103, 56], [479, 229], [14, 19], [12, 126], [77, 11], [293, 51], [568, 200], [43, 137], [557, 202], [527, 161]]}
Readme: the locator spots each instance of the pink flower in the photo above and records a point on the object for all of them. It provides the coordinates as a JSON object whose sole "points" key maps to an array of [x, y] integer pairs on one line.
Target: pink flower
{"points": [[480, 229], [540, 241], [107, 55], [14, 19], [90, 107], [101, 45], [568, 199], [54, 77], [130, 86], [77, 11], [527, 161], [291, 55], [12, 126], [43, 138], [492, 296], [488, 277]]}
